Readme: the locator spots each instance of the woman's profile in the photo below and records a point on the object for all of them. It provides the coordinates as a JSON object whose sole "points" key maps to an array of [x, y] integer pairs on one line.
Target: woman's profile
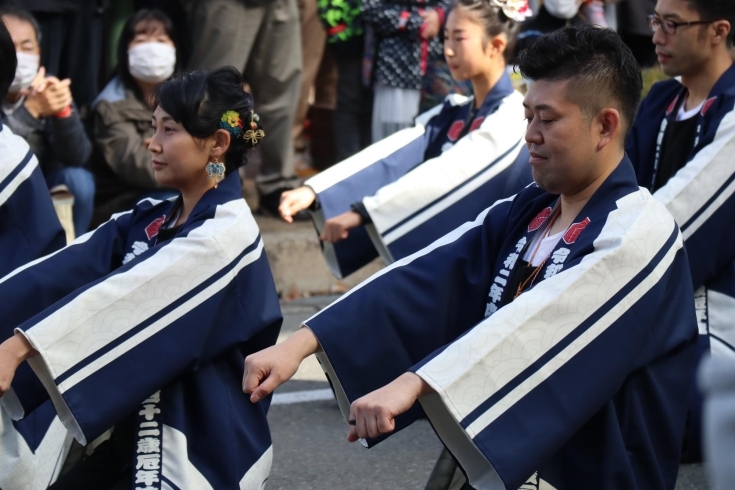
{"points": [[144, 323]]}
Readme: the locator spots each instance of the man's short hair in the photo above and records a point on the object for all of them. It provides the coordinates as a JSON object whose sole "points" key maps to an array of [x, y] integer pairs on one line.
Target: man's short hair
{"points": [[8, 60], [717, 10], [24, 15], [601, 70]]}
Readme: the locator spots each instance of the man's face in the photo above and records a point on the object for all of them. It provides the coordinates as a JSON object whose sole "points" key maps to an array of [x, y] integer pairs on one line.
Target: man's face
{"points": [[559, 138], [24, 37], [685, 52]]}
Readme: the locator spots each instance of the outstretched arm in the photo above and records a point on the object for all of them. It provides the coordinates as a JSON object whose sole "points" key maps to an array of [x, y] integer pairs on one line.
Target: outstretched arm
{"points": [[338, 228], [294, 201], [374, 414], [13, 352], [270, 368]]}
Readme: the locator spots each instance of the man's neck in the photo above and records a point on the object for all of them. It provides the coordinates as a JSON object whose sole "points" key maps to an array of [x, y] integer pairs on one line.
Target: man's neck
{"points": [[572, 204], [700, 85]]}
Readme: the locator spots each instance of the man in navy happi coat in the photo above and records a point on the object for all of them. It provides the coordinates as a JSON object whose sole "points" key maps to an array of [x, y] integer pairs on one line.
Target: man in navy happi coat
{"points": [[31, 451], [550, 342], [682, 146]]}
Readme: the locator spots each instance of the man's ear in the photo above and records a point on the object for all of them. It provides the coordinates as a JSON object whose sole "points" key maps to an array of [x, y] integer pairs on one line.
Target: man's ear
{"points": [[609, 126], [222, 140], [722, 30]]}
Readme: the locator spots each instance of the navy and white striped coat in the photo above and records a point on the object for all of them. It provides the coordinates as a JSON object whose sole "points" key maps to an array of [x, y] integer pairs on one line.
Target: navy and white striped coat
{"points": [[580, 382], [31, 451], [129, 324], [701, 197], [422, 182]]}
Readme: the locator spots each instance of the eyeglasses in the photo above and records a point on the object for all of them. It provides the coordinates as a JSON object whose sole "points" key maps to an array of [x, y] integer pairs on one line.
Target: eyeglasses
{"points": [[669, 26]]}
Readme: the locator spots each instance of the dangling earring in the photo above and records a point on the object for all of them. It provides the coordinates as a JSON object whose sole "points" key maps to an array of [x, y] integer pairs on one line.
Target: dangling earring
{"points": [[216, 171]]}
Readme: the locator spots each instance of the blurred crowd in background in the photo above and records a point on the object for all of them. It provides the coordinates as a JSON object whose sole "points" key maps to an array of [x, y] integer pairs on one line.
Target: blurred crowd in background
{"points": [[329, 77]]}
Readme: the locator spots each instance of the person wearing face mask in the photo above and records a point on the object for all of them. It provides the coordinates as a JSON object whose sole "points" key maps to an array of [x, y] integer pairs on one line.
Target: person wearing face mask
{"points": [[41, 109], [121, 115]]}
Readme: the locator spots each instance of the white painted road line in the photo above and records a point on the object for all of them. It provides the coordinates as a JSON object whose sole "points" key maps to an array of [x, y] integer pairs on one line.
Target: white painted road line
{"points": [[302, 396]]}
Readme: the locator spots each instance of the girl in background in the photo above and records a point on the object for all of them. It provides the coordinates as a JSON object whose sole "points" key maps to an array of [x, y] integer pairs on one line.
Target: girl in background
{"points": [[401, 194]]}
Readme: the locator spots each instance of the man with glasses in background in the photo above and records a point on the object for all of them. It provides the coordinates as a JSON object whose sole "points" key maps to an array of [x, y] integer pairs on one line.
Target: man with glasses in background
{"points": [[682, 146]]}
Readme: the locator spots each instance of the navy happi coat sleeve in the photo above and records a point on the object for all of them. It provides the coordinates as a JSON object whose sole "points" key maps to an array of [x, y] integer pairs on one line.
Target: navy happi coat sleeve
{"points": [[421, 182], [33, 449], [29, 227], [157, 333], [582, 378]]}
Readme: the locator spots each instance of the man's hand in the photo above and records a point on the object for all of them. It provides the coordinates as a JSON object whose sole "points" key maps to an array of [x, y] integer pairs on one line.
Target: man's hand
{"points": [[48, 97], [431, 26], [12, 352], [294, 201], [374, 414], [270, 368], [338, 228]]}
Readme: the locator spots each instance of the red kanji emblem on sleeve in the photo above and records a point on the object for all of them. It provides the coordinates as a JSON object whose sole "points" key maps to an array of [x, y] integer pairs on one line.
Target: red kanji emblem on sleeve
{"points": [[539, 220], [151, 230], [454, 130], [574, 231], [477, 123]]}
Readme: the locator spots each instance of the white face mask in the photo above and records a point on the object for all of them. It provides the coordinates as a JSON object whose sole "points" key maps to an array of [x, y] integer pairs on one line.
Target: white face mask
{"points": [[25, 72], [152, 62]]}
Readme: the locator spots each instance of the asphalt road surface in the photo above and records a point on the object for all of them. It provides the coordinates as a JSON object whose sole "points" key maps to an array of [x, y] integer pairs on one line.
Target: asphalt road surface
{"points": [[310, 445]]}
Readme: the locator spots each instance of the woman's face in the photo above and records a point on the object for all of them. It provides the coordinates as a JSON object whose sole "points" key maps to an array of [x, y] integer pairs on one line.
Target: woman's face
{"points": [[179, 160], [466, 48]]}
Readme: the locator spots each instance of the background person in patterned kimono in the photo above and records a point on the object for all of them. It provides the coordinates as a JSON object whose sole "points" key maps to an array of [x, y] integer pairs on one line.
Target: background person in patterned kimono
{"points": [[682, 147], [144, 323], [550, 342], [422, 182]]}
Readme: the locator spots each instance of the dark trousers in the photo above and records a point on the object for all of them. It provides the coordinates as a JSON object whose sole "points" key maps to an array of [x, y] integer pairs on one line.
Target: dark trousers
{"points": [[354, 109], [110, 467]]}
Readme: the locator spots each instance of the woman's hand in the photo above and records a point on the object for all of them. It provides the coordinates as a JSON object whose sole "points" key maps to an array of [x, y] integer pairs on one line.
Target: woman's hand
{"points": [[294, 201], [12, 352], [374, 414], [270, 368], [338, 228]]}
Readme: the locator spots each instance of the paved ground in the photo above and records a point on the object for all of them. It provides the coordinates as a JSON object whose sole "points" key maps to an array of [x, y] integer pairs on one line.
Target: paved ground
{"points": [[310, 446]]}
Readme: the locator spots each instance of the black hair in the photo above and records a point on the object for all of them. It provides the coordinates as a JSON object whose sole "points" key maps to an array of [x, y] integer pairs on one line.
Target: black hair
{"points": [[494, 21], [717, 10], [148, 19], [8, 60], [600, 68], [24, 15], [199, 99]]}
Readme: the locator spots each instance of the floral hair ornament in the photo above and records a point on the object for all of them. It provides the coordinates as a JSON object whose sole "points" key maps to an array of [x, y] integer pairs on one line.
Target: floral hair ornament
{"points": [[517, 10], [254, 134], [231, 122]]}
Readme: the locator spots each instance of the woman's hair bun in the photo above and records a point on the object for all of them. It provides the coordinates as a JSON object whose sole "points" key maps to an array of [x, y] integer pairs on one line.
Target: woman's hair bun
{"points": [[203, 102]]}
